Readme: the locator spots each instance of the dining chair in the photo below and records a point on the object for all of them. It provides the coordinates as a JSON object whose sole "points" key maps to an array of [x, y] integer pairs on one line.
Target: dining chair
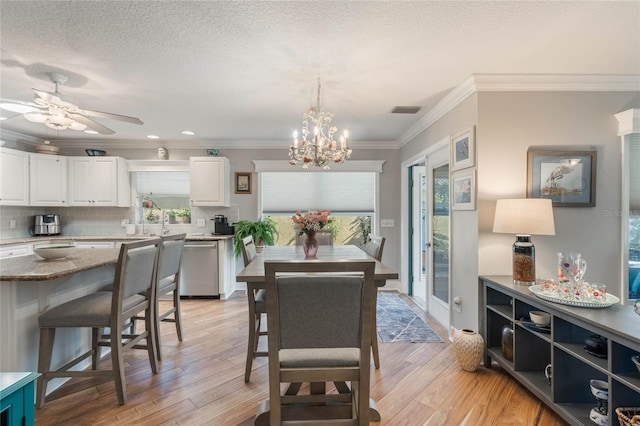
{"points": [[256, 297], [323, 236], [320, 316], [168, 281], [374, 248], [133, 291]]}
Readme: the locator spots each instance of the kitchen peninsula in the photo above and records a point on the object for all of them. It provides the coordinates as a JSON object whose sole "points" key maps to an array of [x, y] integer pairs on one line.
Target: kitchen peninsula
{"points": [[29, 285]]}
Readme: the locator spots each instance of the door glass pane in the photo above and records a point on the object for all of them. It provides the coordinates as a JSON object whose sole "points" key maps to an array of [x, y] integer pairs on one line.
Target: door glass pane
{"points": [[440, 251]]}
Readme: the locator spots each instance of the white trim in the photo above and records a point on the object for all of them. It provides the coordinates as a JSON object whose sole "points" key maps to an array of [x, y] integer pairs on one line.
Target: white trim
{"points": [[521, 83], [556, 83], [158, 165], [448, 103], [404, 207], [349, 166], [628, 121]]}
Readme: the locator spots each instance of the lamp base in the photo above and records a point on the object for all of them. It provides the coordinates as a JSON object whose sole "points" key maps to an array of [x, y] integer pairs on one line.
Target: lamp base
{"points": [[524, 261]]}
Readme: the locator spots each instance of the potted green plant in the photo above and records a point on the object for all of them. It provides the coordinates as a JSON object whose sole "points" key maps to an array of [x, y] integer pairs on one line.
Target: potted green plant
{"points": [[185, 214], [171, 214], [263, 230]]}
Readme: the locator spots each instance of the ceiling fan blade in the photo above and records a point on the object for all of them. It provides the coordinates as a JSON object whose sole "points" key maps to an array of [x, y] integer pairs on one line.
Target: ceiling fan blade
{"points": [[91, 124], [132, 120], [18, 106]]}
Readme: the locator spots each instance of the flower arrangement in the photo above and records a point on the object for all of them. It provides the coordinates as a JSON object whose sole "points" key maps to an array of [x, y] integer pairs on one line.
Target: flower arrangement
{"points": [[311, 221]]}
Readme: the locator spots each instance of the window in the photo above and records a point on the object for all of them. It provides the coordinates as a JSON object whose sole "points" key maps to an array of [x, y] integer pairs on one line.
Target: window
{"points": [[350, 196], [161, 192]]}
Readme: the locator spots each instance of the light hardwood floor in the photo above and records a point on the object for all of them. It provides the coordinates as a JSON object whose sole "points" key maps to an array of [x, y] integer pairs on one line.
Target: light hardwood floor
{"points": [[200, 382]]}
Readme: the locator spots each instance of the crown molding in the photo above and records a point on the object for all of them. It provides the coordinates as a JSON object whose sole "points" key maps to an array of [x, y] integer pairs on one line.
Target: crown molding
{"points": [[522, 83]]}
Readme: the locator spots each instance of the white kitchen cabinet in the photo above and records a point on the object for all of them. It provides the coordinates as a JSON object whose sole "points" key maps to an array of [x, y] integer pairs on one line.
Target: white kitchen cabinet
{"points": [[209, 181], [47, 180], [98, 182], [14, 177]]}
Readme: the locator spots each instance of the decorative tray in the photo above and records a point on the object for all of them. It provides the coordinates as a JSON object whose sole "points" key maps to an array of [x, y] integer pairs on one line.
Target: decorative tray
{"points": [[540, 292]]}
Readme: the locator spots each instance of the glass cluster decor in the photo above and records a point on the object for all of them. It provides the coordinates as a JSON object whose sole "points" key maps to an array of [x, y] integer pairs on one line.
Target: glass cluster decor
{"points": [[320, 148], [570, 287]]}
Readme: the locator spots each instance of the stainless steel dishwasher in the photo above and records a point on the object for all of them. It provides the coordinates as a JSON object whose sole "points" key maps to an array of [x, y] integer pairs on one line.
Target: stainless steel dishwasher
{"points": [[199, 273]]}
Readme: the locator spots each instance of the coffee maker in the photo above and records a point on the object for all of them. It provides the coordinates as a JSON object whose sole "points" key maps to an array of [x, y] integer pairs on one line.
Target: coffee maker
{"points": [[221, 226], [46, 224]]}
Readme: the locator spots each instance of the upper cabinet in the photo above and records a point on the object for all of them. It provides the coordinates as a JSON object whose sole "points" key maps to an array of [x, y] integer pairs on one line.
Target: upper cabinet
{"points": [[209, 181], [99, 181], [47, 180], [14, 177]]}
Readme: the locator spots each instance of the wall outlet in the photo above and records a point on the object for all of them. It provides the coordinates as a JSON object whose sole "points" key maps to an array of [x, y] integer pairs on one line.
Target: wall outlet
{"points": [[124, 223], [12, 224], [386, 223], [201, 223]]}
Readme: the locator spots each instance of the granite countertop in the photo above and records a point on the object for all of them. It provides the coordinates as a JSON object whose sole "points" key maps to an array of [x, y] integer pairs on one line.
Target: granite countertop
{"points": [[190, 237], [35, 268]]}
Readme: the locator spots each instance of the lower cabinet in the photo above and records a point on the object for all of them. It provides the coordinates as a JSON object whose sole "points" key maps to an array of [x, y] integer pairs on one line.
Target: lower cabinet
{"points": [[553, 362], [17, 399]]}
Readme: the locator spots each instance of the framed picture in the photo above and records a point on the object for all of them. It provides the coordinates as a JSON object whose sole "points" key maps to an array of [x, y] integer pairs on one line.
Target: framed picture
{"points": [[568, 178], [243, 182], [463, 190], [463, 150]]}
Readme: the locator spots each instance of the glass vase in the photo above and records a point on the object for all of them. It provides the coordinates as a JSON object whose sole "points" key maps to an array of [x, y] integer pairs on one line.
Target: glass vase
{"points": [[310, 246]]}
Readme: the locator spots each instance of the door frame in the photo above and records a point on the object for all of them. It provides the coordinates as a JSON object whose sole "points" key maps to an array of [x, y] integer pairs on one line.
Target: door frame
{"points": [[405, 225]]}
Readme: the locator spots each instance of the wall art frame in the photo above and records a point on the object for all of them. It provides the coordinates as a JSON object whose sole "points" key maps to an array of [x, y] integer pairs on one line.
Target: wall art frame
{"points": [[567, 178], [242, 182], [463, 150], [463, 190]]}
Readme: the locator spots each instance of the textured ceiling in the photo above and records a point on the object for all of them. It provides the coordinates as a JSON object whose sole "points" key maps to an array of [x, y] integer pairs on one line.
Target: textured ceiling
{"points": [[244, 72]]}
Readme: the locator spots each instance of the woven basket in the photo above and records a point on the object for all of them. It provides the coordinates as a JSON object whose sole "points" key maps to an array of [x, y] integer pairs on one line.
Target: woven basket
{"points": [[628, 416]]}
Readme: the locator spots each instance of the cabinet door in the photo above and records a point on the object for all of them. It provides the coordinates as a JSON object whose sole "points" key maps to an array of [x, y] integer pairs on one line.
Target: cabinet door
{"points": [[80, 181], [105, 184], [47, 180], [93, 181], [14, 177], [7, 252], [209, 181]]}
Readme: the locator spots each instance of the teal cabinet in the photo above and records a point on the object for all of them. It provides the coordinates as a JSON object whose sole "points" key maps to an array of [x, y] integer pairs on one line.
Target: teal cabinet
{"points": [[17, 407]]}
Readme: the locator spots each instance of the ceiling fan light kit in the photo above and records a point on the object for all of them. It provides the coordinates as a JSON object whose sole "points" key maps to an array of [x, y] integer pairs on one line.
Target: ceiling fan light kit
{"points": [[51, 110]]}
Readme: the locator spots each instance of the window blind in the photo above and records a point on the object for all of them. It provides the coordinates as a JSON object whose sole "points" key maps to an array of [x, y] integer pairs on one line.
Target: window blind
{"points": [[343, 192], [162, 183]]}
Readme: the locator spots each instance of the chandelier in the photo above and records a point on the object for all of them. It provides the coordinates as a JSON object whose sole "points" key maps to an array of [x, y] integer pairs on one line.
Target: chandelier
{"points": [[319, 148]]}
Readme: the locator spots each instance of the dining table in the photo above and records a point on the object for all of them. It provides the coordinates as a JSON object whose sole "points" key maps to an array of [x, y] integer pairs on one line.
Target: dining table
{"points": [[254, 271], [253, 274]]}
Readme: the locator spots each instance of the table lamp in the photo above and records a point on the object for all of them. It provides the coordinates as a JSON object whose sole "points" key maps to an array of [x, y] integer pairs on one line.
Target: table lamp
{"points": [[524, 217]]}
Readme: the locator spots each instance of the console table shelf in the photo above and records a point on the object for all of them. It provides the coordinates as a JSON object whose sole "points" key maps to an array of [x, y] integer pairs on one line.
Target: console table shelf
{"points": [[567, 392]]}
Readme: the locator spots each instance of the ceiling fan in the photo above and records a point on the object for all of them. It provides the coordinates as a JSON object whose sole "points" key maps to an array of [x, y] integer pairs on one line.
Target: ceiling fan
{"points": [[52, 110]]}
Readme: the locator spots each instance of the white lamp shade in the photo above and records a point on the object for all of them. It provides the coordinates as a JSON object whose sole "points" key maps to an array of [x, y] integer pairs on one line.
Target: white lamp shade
{"points": [[525, 216]]}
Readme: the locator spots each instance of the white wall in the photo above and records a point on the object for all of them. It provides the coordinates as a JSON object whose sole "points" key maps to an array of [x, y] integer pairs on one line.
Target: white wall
{"points": [[507, 125], [511, 123]]}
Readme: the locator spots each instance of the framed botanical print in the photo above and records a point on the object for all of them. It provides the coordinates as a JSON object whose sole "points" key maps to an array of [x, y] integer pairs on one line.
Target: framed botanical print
{"points": [[568, 178], [463, 150], [243, 182], [463, 190]]}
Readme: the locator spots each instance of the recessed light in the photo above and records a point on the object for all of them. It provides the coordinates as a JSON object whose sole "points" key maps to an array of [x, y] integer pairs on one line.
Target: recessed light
{"points": [[188, 132], [3, 118], [153, 137], [91, 132]]}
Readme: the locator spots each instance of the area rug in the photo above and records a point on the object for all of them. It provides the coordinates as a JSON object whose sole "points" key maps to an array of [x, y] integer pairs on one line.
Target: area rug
{"points": [[398, 323]]}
